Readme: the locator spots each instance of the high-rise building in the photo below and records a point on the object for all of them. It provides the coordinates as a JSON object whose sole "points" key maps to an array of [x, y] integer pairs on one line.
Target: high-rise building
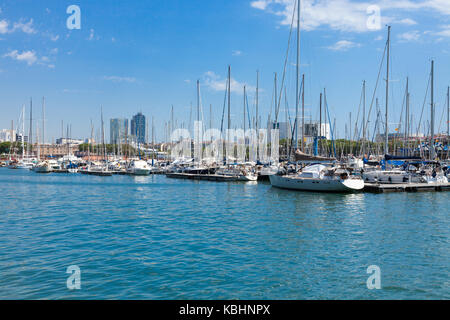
{"points": [[138, 127], [118, 130], [5, 135]]}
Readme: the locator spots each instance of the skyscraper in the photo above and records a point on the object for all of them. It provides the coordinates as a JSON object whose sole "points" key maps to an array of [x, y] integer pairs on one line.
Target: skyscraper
{"points": [[118, 130], [138, 127]]}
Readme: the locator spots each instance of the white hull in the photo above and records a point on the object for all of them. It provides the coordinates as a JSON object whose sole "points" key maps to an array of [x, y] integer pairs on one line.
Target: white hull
{"points": [[316, 184], [140, 172], [42, 169], [248, 178]]}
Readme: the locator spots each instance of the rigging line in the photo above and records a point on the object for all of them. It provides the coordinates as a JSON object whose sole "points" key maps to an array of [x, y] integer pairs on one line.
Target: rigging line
{"points": [[423, 106], [401, 115], [223, 110], [277, 107], [376, 84], [358, 134], [248, 112]]}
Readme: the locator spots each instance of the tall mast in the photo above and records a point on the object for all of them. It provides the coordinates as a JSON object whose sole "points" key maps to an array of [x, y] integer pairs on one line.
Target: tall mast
{"points": [[245, 147], [197, 128], [43, 120], [386, 129], [23, 131], [303, 113], [407, 117], [30, 134], [448, 112], [432, 153], [364, 119], [244, 109], [297, 76], [198, 100], [210, 116], [229, 102], [257, 112], [320, 121], [153, 142]]}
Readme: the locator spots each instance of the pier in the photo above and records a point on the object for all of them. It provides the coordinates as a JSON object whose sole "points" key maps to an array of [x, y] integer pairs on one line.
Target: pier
{"points": [[208, 177], [407, 187]]}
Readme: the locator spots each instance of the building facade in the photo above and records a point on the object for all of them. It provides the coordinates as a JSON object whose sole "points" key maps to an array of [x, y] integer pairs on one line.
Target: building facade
{"points": [[5, 135], [118, 130], [138, 127]]}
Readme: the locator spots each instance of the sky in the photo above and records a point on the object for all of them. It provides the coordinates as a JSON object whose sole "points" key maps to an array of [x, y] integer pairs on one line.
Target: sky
{"points": [[148, 55]]}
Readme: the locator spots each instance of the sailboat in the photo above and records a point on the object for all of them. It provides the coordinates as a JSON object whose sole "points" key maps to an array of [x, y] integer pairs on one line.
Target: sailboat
{"points": [[315, 177]]}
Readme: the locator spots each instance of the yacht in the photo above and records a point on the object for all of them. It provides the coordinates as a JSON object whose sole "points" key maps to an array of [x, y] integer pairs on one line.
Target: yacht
{"points": [[239, 172], [43, 167], [138, 168], [319, 177]]}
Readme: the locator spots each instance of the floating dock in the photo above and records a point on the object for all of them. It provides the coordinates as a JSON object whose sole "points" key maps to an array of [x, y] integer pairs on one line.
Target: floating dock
{"points": [[406, 187], [208, 177]]}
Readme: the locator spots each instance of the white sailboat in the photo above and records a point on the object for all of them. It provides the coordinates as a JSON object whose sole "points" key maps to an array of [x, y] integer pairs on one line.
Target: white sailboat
{"points": [[139, 168], [319, 177]]}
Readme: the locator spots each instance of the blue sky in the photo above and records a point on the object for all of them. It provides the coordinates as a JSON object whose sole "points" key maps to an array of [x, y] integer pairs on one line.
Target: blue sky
{"points": [[147, 55]]}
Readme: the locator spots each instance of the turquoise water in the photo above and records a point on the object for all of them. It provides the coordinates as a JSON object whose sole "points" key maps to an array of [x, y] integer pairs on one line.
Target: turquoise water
{"points": [[158, 238]]}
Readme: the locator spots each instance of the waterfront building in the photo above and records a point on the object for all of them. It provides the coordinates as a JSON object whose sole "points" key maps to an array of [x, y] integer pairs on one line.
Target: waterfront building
{"points": [[64, 141], [5, 135], [118, 130], [138, 127]]}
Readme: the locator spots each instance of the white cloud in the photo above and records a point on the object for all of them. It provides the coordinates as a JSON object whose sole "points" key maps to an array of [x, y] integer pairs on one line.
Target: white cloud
{"points": [[119, 79], [54, 51], [409, 36], [216, 83], [91, 35], [54, 38], [259, 4], [349, 15], [444, 32], [343, 45], [236, 53], [24, 27], [407, 21], [26, 56], [379, 38], [4, 26]]}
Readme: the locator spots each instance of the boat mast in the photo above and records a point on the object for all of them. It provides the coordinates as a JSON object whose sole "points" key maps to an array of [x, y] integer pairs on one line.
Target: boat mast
{"points": [[364, 119], [448, 113], [245, 146], [43, 120], [320, 122], [386, 130], [197, 134], [257, 107], [407, 124], [153, 142], [23, 131], [30, 137], [297, 75], [432, 150], [229, 104], [303, 112]]}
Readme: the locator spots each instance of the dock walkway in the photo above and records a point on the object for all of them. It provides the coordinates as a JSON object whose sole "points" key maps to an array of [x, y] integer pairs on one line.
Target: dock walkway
{"points": [[406, 187]]}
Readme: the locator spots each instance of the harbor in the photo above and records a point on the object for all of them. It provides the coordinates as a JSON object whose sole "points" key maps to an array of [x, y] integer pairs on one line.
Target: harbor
{"points": [[253, 150]]}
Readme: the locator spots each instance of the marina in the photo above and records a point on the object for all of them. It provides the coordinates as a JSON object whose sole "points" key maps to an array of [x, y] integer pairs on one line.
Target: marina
{"points": [[238, 150]]}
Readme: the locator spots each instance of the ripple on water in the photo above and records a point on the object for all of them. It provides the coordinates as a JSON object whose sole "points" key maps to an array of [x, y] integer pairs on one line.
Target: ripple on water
{"points": [[157, 238]]}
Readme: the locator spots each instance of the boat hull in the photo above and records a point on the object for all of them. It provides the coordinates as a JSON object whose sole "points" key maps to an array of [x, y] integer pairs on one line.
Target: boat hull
{"points": [[320, 185], [43, 169], [140, 172]]}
